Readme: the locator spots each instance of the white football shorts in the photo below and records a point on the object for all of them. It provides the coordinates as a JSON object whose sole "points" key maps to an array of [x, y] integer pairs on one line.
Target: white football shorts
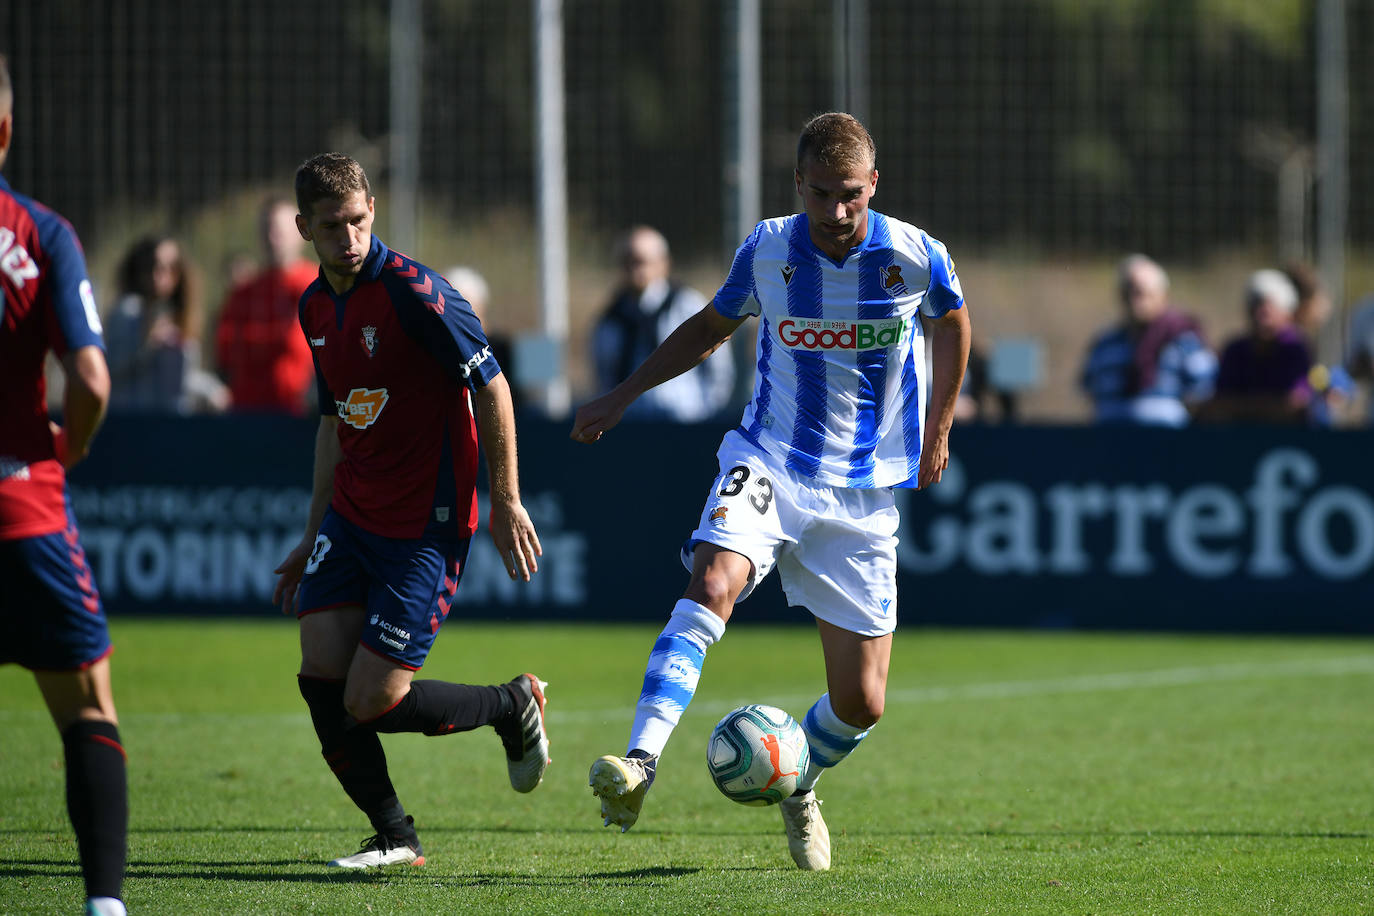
{"points": [[835, 548]]}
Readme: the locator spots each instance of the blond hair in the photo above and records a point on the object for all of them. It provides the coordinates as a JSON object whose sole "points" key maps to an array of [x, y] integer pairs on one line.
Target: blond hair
{"points": [[837, 140]]}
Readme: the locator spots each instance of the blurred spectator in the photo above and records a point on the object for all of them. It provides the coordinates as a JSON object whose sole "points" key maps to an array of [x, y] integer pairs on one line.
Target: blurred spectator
{"points": [[644, 310], [259, 347], [1264, 372], [473, 287], [978, 391], [1154, 366], [238, 266], [1359, 360], [1332, 388], [152, 335], [1314, 304]]}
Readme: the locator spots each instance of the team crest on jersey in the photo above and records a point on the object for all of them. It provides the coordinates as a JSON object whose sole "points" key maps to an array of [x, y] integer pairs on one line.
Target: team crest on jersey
{"points": [[787, 273], [717, 516], [893, 282], [363, 407], [370, 341]]}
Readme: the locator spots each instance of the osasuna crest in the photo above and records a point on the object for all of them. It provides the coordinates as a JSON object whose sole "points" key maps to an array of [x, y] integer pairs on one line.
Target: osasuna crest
{"points": [[370, 340]]}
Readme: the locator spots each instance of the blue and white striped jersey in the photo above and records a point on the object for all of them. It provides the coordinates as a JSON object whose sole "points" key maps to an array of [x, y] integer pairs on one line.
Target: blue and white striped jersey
{"points": [[841, 388]]}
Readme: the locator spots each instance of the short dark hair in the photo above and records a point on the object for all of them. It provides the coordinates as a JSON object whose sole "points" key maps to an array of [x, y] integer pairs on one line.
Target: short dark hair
{"points": [[837, 140], [329, 176]]}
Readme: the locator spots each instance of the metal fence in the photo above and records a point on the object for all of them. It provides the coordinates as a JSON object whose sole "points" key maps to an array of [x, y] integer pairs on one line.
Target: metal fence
{"points": [[1181, 127]]}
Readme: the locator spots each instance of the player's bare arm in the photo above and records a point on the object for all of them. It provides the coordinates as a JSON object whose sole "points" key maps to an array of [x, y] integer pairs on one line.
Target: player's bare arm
{"points": [[83, 407], [951, 336], [694, 340], [512, 531], [327, 456]]}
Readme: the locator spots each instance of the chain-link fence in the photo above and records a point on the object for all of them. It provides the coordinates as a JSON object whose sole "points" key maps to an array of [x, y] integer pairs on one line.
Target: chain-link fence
{"points": [[1041, 139]]}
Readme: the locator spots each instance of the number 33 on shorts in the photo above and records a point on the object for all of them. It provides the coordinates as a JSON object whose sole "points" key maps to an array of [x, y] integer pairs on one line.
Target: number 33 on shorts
{"points": [[738, 480], [322, 545]]}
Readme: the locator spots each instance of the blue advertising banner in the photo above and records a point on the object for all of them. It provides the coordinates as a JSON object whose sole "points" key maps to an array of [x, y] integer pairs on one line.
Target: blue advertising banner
{"points": [[1205, 529]]}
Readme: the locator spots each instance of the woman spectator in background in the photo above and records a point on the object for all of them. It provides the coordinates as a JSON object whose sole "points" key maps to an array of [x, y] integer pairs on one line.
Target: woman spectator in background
{"points": [[152, 335]]}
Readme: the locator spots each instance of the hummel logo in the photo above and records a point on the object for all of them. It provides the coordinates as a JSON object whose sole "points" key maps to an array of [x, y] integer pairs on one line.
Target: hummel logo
{"points": [[787, 274]]}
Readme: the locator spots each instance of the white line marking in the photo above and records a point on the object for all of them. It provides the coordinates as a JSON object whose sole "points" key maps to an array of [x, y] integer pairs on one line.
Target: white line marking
{"points": [[1087, 683], [991, 690]]}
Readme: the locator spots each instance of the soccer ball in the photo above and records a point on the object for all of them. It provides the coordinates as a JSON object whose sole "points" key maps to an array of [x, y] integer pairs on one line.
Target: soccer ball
{"points": [[757, 754]]}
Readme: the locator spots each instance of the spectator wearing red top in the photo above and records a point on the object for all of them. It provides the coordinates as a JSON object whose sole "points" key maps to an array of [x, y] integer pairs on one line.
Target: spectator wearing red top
{"points": [[259, 347]]}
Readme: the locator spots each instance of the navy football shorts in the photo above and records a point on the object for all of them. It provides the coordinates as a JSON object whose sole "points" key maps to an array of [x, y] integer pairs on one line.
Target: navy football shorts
{"points": [[49, 606], [405, 586]]}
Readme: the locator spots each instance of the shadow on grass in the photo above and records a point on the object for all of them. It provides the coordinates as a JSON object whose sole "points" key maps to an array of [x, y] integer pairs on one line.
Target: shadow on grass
{"points": [[1200, 834], [273, 871], [469, 830]]}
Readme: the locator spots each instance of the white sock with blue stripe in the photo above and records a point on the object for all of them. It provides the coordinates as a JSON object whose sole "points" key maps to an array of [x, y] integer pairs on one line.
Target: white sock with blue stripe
{"points": [[830, 739], [670, 678]]}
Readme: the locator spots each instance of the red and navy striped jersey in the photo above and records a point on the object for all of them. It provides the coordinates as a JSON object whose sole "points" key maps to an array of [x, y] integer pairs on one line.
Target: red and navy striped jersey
{"points": [[395, 357], [46, 304]]}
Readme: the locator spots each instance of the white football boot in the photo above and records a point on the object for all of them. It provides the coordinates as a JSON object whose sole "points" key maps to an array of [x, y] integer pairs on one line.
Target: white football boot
{"points": [[524, 736], [621, 783], [379, 850], [808, 839]]}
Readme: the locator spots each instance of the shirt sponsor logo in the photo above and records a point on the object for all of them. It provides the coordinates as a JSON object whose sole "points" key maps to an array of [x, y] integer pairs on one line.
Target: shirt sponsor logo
{"points": [[15, 262], [363, 407], [476, 361], [814, 334], [87, 296]]}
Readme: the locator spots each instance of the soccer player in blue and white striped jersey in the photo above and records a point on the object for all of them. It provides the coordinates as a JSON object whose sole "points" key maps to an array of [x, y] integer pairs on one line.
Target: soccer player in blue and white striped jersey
{"points": [[845, 408]]}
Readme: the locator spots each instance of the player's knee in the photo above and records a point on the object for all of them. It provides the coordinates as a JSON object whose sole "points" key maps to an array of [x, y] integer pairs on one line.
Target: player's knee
{"points": [[366, 703], [714, 589]]}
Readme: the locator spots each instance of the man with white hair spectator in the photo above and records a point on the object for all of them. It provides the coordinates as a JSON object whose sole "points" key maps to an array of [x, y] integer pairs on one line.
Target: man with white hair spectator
{"points": [[1153, 366], [646, 307], [1264, 372]]}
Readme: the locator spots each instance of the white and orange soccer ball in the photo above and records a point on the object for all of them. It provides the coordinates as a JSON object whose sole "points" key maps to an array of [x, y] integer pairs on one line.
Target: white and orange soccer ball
{"points": [[757, 754]]}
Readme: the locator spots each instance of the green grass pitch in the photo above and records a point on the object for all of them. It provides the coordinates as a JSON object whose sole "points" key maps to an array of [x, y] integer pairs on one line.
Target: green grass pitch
{"points": [[1014, 773]]}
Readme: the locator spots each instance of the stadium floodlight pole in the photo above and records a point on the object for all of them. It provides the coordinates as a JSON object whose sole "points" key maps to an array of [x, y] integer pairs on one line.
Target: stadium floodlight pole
{"points": [[743, 123], [551, 204], [850, 56], [1333, 164], [407, 53]]}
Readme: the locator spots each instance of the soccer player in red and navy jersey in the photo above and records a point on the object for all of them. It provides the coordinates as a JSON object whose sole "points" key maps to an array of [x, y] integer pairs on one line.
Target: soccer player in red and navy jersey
{"points": [[50, 610], [406, 382]]}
